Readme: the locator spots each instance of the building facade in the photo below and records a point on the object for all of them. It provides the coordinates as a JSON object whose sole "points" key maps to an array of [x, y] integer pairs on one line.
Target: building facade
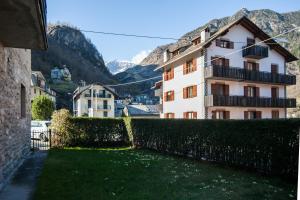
{"points": [[94, 100], [40, 87], [228, 74], [19, 33]]}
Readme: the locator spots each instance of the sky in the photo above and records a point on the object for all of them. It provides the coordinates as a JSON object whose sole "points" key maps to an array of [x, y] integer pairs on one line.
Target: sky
{"points": [[164, 18]]}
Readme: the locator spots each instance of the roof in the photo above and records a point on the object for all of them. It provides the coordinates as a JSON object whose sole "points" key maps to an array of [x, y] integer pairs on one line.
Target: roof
{"points": [[39, 74], [80, 90], [250, 26], [157, 85], [141, 110]]}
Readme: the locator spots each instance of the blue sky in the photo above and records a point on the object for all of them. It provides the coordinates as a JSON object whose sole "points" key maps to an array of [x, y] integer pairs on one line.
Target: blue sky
{"points": [[166, 18]]}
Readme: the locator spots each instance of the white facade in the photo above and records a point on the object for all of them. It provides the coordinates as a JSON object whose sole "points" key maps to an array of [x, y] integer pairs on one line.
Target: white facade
{"points": [[238, 35], [93, 101]]}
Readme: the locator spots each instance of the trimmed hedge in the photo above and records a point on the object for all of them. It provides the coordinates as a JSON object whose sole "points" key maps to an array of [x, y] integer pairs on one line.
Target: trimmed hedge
{"points": [[97, 132], [268, 146]]}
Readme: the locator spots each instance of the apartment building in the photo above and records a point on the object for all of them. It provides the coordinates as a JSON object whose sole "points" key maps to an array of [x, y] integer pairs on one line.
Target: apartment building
{"points": [[23, 27], [237, 72], [40, 87], [94, 100]]}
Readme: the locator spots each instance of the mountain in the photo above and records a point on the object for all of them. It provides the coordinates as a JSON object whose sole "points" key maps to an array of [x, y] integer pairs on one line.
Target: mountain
{"points": [[117, 66], [69, 47]]}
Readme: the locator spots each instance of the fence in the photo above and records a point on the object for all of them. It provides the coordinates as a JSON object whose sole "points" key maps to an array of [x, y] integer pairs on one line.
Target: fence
{"points": [[40, 140]]}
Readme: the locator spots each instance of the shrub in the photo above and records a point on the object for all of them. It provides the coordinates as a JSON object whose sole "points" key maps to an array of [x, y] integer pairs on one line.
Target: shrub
{"points": [[42, 108], [268, 146]]}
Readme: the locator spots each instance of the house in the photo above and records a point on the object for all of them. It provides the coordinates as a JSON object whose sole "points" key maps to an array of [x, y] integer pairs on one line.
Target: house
{"points": [[23, 27], [40, 87], [94, 100], [141, 111], [237, 72], [61, 74], [56, 74], [158, 92]]}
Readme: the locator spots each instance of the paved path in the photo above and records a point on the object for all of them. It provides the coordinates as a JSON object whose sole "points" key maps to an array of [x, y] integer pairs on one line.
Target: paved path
{"points": [[24, 181]]}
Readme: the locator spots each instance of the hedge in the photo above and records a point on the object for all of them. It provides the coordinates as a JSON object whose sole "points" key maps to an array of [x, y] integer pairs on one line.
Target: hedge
{"points": [[267, 146], [97, 132]]}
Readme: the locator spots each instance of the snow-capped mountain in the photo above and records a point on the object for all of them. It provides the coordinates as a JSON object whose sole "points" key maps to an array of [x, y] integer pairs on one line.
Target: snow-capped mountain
{"points": [[117, 66]]}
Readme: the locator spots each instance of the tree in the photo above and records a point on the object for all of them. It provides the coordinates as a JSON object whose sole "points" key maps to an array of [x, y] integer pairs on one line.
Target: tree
{"points": [[42, 108]]}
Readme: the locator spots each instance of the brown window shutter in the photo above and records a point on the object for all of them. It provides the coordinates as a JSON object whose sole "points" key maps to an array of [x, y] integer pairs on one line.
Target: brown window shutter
{"points": [[184, 68], [184, 115], [258, 114], [184, 93], [213, 116], [195, 115], [245, 91], [226, 92], [245, 114], [165, 115], [275, 114], [213, 89], [165, 75], [194, 90], [165, 96], [231, 45], [172, 95], [227, 114], [194, 64], [257, 92], [245, 64], [172, 73], [226, 62]]}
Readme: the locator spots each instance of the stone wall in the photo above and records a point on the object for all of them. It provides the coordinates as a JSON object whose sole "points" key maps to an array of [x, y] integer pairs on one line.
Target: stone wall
{"points": [[15, 70]]}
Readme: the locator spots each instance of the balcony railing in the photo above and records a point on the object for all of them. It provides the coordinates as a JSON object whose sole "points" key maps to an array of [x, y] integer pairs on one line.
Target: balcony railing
{"points": [[241, 101], [98, 95], [256, 52], [240, 74]]}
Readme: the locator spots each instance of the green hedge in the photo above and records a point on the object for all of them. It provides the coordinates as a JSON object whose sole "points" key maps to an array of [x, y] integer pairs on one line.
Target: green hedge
{"points": [[97, 132], [268, 146]]}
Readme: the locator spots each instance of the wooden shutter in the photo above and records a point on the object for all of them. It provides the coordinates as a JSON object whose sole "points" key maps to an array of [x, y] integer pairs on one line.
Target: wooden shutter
{"points": [[231, 45], [165, 96], [194, 90], [245, 91], [194, 115], [172, 73], [245, 114], [214, 89], [275, 114], [257, 92], [184, 93], [213, 114], [227, 114], [226, 62], [184, 68], [172, 96], [194, 64], [258, 114], [274, 93], [226, 90], [185, 115]]}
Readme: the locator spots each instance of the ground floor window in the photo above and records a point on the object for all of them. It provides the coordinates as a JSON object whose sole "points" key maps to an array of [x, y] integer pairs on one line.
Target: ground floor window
{"points": [[275, 114], [190, 115], [252, 115], [220, 114], [105, 114], [169, 115]]}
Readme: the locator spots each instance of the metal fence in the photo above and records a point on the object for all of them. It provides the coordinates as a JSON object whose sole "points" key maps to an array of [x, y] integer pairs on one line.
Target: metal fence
{"points": [[40, 140]]}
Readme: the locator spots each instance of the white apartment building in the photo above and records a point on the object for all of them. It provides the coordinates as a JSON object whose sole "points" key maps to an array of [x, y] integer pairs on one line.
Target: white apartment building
{"points": [[223, 75], [94, 100]]}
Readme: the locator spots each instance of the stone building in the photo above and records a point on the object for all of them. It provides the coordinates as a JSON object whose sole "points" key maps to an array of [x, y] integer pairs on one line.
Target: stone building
{"points": [[23, 28]]}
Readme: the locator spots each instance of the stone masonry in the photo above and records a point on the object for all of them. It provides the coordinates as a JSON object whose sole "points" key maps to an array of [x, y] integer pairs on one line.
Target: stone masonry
{"points": [[15, 71]]}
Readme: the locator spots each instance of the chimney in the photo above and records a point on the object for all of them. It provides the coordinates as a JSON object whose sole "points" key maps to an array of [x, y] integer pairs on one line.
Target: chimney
{"points": [[204, 34], [166, 56]]}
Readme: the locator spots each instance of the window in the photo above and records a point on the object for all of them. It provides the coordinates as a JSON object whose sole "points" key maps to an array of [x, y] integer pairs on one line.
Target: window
{"points": [[251, 66], [275, 114], [105, 114], [34, 91], [251, 91], [274, 69], [169, 74], [219, 89], [40, 92], [189, 66], [197, 41], [190, 115], [274, 92], [218, 61], [190, 92], [250, 41], [224, 43], [169, 96], [105, 106], [169, 115], [252, 115], [23, 101], [220, 114], [89, 103]]}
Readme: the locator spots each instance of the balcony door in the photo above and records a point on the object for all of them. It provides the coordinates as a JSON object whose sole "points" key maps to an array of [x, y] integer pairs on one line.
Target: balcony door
{"points": [[220, 89], [274, 92], [251, 91], [251, 66], [105, 104]]}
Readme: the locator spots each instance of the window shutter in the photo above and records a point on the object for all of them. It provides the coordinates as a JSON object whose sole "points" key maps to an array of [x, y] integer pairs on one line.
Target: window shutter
{"points": [[195, 115], [214, 89], [165, 96], [274, 69], [172, 95], [245, 114], [218, 42], [258, 114], [184, 115], [226, 62], [227, 114], [184, 68], [231, 45], [257, 92], [184, 93], [194, 64], [226, 92], [172, 73], [194, 90], [245, 91]]}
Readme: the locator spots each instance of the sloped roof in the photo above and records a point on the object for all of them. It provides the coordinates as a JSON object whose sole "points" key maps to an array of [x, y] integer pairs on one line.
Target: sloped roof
{"points": [[139, 110], [249, 25], [80, 90]]}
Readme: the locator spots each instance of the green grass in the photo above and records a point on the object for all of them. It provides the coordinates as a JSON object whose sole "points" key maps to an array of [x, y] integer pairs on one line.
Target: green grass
{"points": [[135, 174]]}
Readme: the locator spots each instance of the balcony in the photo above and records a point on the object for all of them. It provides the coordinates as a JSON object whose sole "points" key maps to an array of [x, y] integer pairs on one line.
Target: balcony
{"points": [[241, 101], [240, 74], [98, 95], [104, 107], [255, 52]]}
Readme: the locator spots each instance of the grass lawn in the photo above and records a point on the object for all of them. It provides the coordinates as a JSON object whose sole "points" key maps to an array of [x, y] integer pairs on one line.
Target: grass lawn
{"points": [[136, 174]]}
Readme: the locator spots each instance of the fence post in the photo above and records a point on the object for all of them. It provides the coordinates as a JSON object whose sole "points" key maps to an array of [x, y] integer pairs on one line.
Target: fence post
{"points": [[50, 139]]}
